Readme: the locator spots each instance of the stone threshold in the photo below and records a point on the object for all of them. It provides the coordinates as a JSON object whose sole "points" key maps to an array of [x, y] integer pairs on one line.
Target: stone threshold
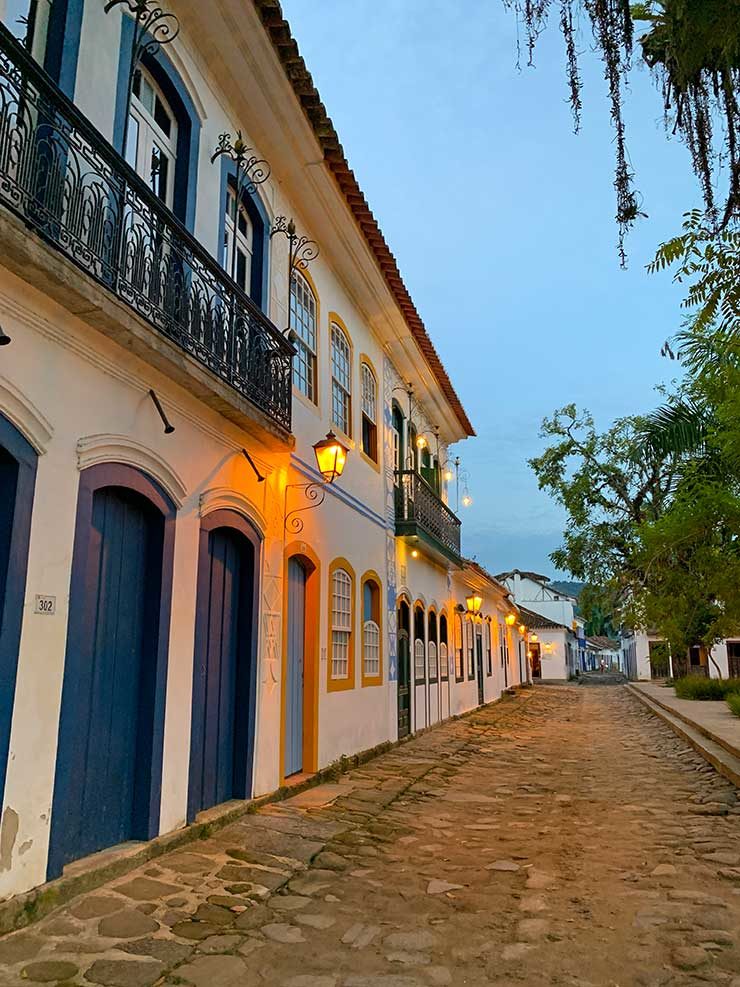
{"points": [[92, 872], [714, 751]]}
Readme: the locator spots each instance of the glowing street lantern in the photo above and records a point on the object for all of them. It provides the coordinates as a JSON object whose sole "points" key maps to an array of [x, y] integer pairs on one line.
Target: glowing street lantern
{"points": [[331, 457]]}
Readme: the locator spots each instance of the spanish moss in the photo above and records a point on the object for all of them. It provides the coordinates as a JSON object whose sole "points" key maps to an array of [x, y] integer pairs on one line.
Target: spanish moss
{"points": [[692, 47]]}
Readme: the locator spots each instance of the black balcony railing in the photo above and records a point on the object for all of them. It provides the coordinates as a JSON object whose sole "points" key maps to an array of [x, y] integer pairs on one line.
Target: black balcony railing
{"points": [[66, 182], [420, 511]]}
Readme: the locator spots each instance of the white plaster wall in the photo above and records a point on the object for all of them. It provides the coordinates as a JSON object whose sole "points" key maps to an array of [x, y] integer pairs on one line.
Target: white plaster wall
{"points": [[84, 385], [555, 663], [719, 665]]}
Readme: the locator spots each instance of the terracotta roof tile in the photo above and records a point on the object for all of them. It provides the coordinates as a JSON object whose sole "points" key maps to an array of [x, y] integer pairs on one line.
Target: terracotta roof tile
{"points": [[278, 30]]}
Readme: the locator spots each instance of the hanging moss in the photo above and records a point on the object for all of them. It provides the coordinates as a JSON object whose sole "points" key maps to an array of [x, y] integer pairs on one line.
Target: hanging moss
{"points": [[693, 48]]}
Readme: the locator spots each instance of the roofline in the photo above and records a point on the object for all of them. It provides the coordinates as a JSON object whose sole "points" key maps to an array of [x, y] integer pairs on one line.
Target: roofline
{"points": [[286, 48]]}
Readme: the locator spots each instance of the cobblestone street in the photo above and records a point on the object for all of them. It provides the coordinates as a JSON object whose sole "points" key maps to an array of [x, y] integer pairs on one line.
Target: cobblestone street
{"points": [[562, 837]]}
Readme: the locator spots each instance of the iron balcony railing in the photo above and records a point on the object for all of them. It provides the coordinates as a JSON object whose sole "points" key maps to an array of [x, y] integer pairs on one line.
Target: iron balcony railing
{"points": [[68, 184], [418, 506]]}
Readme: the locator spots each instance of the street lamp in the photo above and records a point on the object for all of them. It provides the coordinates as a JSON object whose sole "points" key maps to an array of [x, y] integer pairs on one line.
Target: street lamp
{"points": [[474, 603], [331, 458], [510, 619]]}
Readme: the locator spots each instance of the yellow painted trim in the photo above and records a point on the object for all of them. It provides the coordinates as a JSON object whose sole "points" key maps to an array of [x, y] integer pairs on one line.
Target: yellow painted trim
{"points": [[335, 318], [341, 685], [317, 403], [371, 680], [311, 656]]}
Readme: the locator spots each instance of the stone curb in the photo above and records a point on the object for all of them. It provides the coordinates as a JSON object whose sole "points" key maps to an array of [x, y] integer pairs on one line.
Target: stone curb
{"points": [[24, 909], [717, 754], [715, 738]]}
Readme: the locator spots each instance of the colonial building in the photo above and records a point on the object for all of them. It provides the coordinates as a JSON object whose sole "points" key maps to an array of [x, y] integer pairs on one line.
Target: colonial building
{"points": [[200, 595]]}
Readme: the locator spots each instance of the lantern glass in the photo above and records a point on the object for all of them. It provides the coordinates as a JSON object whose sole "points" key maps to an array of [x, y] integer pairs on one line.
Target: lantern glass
{"points": [[331, 457], [474, 603], [510, 619]]}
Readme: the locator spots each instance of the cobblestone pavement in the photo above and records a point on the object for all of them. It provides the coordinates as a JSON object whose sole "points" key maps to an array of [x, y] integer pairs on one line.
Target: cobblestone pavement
{"points": [[562, 837]]}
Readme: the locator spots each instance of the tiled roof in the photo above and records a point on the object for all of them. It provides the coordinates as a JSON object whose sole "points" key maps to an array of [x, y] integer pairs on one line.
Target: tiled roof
{"points": [[535, 621], [534, 576], [477, 567], [278, 30]]}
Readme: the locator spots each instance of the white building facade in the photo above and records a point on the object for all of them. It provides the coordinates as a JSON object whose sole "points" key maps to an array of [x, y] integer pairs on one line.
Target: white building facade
{"points": [[189, 612]]}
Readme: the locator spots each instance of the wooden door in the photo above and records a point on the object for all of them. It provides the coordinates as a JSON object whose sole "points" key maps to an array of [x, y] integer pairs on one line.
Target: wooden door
{"points": [[479, 663], [222, 658], [109, 755], [404, 684], [733, 659], [295, 668], [536, 661]]}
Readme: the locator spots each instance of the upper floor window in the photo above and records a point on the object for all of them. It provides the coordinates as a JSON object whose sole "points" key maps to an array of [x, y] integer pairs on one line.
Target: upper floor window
{"points": [[151, 146], [371, 629], [341, 623], [369, 412], [341, 380], [303, 320], [398, 424], [237, 256]]}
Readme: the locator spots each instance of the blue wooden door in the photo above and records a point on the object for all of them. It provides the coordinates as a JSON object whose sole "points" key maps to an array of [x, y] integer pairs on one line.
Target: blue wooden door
{"points": [[221, 710], [110, 750], [17, 479], [294, 671]]}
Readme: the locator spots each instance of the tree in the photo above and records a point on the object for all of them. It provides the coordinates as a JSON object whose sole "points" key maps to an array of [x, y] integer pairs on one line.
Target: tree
{"points": [[692, 48], [608, 486]]}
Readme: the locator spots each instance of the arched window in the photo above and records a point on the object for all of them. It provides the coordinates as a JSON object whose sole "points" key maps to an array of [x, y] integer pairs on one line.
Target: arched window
{"points": [[341, 623], [398, 423], [459, 670], [444, 669], [151, 146], [413, 453], [303, 320], [369, 390], [419, 647], [489, 664], [341, 380], [371, 631]]}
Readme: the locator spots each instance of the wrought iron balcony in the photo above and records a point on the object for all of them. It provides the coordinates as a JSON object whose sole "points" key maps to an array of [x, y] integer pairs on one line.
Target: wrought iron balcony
{"points": [[61, 177], [421, 514]]}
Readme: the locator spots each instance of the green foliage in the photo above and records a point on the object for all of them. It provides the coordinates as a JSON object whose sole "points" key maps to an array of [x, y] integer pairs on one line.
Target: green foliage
{"points": [[608, 486], [699, 687], [733, 701], [692, 49]]}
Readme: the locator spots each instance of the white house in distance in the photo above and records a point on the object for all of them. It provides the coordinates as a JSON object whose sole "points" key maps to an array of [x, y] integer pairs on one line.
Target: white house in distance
{"points": [[534, 592], [202, 593], [640, 646], [552, 647]]}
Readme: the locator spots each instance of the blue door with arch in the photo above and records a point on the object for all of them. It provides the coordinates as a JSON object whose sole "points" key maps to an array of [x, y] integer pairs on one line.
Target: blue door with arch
{"points": [[295, 661], [18, 462], [108, 779], [224, 669]]}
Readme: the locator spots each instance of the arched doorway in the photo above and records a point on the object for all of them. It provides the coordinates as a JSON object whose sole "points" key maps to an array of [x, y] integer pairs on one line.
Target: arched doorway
{"points": [[225, 659], [17, 482], [404, 668], [109, 761]]}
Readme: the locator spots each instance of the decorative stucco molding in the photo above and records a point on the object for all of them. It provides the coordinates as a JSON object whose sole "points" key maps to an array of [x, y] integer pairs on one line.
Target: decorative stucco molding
{"points": [[25, 416], [94, 449], [225, 498]]}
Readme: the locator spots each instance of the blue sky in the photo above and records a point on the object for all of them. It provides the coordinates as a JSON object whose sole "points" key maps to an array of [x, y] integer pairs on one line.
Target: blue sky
{"points": [[502, 223]]}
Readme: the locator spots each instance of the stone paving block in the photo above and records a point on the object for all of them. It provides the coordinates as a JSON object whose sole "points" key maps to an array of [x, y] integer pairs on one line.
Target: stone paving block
{"points": [[49, 971], [146, 889], [216, 971], [96, 906], [127, 924], [124, 973]]}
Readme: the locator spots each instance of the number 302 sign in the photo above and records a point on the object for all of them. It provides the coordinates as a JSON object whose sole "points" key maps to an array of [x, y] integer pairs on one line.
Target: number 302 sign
{"points": [[46, 605]]}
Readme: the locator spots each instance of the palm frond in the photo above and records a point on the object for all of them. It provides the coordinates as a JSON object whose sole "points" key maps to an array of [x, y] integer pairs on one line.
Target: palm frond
{"points": [[677, 429]]}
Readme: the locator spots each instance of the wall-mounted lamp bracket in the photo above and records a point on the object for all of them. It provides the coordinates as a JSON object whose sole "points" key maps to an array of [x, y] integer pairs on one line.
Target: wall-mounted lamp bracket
{"points": [[169, 428], [315, 494], [260, 477]]}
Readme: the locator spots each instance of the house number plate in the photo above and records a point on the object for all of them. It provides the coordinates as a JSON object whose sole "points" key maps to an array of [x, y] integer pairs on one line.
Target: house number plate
{"points": [[46, 605]]}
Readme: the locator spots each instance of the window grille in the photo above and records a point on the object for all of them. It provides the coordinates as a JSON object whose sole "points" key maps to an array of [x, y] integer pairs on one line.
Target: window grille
{"points": [[341, 624]]}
